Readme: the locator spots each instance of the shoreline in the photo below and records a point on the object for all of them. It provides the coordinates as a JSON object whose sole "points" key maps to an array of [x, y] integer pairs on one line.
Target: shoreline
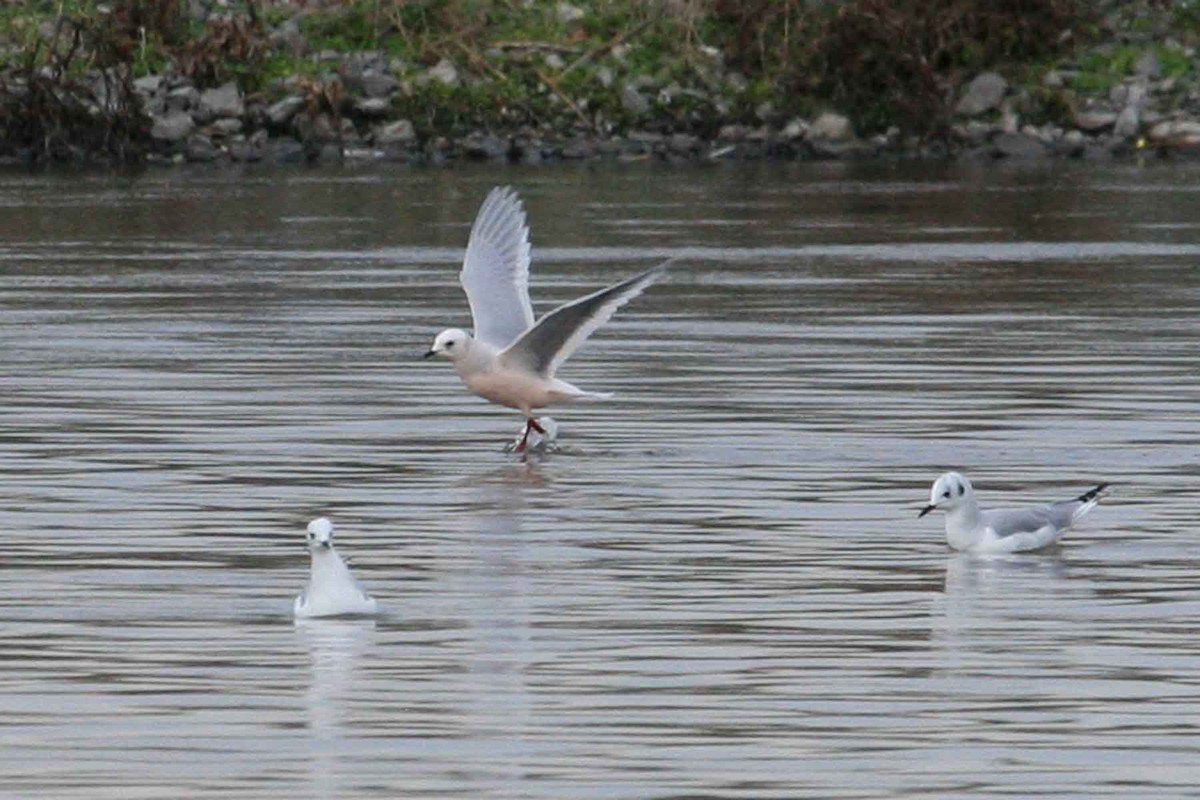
{"points": [[328, 82]]}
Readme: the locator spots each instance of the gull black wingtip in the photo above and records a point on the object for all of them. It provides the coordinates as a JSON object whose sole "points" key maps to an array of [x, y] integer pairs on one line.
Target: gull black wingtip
{"points": [[430, 354], [926, 510]]}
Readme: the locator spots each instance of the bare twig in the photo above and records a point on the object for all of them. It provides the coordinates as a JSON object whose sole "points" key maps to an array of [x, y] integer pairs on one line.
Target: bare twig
{"points": [[604, 48]]}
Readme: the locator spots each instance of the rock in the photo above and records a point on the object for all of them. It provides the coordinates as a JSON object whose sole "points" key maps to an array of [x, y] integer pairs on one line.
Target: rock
{"points": [[399, 132], [226, 127], [200, 149], [1127, 123], [578, 149], [1176, 132], [285, 150], [1072, 144], [373, 83], [796, 129], [373, 106], [174, 126], [731, 133], [1093, 121], [632, 100], [831, 127], [1018, 145], [554, 61], [568, 13], [148, 85], [280, 114], [1053, 80], [485, 146], [605, 76], [683, 144], [1147, 66], [444, 72], [182, 98], [224, 101], [982, 94]]}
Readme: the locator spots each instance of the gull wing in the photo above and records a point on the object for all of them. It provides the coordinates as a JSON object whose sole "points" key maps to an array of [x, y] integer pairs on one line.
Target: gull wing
{"points": [[495, 271], [545, 346]]}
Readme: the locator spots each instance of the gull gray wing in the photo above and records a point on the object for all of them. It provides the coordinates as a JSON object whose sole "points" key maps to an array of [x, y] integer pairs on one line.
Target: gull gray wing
{"points": [[1027, 520], [495, 271], [557, 335]]}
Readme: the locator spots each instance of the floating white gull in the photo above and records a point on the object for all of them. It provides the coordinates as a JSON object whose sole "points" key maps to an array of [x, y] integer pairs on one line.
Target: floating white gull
{"points": [[511, 360], [331, 590], [968, 528]]}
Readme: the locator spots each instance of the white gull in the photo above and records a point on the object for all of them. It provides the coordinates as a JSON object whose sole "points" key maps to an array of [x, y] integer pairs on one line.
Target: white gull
{"points": [[511, 360], [968, 528], [332, 590]]}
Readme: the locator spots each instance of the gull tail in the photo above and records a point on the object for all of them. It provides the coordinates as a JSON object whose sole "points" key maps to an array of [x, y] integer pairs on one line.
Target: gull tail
{"points": [[1088, 500]]}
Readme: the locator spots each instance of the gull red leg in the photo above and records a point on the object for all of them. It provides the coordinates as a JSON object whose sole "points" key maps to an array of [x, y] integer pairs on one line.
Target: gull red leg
{"points": [[533, 423], [524, 443]]}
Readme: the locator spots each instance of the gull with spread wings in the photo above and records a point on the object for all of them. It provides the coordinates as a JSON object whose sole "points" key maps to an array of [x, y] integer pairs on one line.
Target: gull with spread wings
{"points": [[511, 360]]}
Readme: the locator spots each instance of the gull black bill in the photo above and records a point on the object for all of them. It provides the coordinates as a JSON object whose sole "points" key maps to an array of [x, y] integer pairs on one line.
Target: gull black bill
{"points": [[430, 354], [926, 510]]}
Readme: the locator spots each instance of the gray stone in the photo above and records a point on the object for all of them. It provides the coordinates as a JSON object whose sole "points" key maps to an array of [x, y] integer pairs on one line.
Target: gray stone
{"points": [[174, 126], [731, 133], [1176, 132], [485, 146], [683, 144], [200, 148], [399, 132], [831, 127], [285, 150], [226, 127], [182, 98], [1053, 80], [377, 84], [1093, 121], [578, 149], [1018, 145], [1128, 123], [224, 101], [632, 100], [444, 72], [796, 129], [568, 13], [148, 84], [245, 150], [1147, 66], [553, 61], [605, 76], [982, 94], [373, 106], [280, 114]]}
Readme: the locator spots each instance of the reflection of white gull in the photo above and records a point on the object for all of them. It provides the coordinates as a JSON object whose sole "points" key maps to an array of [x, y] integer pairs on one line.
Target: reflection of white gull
{"points": [[968, 528], [511, 360], [331, 589]]}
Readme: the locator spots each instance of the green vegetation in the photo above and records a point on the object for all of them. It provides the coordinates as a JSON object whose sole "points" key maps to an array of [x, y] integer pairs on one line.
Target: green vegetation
{"points": [[567, 67]]}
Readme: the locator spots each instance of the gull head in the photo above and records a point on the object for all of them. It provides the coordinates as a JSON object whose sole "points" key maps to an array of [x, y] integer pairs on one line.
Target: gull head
{"points": [[452, 344], [320, 533], [948, 493]]}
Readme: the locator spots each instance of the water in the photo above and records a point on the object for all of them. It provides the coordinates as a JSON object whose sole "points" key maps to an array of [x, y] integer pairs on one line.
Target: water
{"points": [[718, 589]]}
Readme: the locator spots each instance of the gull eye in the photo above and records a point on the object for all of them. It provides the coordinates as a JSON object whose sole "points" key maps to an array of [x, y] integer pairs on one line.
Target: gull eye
{"points": [[946, 493], [449, 345]]}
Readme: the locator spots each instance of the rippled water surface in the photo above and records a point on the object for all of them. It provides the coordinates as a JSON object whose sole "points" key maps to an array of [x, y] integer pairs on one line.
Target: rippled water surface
{"points": [[717, 588]]}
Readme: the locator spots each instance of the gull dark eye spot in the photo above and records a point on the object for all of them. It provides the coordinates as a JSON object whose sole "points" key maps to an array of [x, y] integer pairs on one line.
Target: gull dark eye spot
{"points": [[961, 489], [946, 493], [449, 345]]}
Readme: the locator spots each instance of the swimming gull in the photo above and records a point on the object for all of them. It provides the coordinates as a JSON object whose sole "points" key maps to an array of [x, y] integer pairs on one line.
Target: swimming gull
{"points": [[968, 528], [332, 590], [511, 360]]}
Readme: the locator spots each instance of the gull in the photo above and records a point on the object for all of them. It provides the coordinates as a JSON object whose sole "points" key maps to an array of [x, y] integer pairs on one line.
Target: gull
{"points": [[968, 528], [331, 590], [511, 360]]}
